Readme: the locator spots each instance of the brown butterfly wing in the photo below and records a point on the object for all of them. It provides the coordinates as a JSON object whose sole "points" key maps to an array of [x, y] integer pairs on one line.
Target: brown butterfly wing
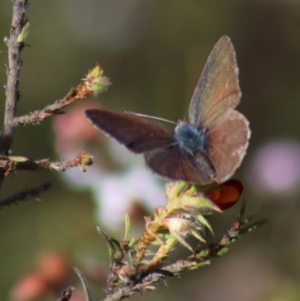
{"points": [[227, 143], [177, 164], [138, 134], [218, 88]]}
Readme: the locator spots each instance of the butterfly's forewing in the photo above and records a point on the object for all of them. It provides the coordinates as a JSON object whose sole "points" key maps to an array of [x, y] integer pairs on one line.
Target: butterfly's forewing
{"points": [[177, 164], [218, 88], [138, 134], [227, 143]]}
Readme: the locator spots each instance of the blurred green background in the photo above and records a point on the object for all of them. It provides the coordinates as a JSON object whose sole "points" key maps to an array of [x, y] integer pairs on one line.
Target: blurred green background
{"points": [[153, 52]]}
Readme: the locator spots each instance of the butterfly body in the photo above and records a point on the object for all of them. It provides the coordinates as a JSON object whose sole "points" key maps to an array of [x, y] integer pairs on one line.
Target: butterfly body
{"points": [[206, 150], [190, 137]]}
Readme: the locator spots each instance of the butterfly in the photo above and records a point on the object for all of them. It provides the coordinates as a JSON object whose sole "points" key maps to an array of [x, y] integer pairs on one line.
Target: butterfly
{"points": [[206, 150]]}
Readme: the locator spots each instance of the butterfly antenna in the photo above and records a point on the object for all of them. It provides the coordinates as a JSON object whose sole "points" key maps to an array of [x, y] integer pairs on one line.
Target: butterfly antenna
{"points": [[150, 117], [186, 116]]}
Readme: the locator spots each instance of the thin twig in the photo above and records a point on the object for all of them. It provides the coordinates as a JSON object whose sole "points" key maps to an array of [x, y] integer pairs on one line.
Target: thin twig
{"points": [[10, 164], [84, 284], [24, 195], [15, 45], [37, 116], [94, 83]]}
